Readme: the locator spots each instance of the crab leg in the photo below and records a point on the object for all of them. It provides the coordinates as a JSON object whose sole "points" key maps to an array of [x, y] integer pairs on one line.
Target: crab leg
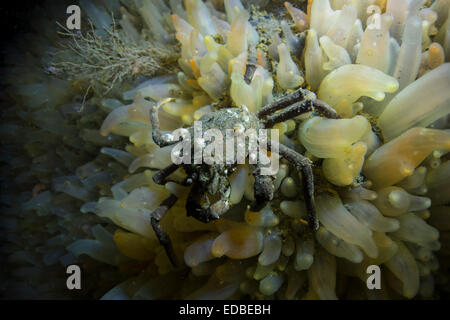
{"points": [[288, 100], [298, 96], [156, 217], [289, 113], [159, 138], [324, 109], [249, 72], [161, 175], [304, 165], [263, 190]]}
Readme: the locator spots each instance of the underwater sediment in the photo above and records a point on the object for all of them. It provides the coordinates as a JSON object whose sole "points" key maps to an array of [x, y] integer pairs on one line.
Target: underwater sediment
{"points": [[79, 155]]}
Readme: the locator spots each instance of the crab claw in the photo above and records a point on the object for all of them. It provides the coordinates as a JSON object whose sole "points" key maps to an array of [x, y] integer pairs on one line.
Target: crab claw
{"points": [[206, 215], [263, 189]]}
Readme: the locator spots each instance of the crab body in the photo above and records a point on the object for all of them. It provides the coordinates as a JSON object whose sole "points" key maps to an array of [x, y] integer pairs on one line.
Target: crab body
{"points": [[213, 179], [210, 191]]}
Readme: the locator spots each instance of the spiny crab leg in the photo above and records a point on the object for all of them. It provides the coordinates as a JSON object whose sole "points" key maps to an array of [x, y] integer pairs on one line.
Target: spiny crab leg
{"points": [[304, 165], [289, 113], [301, 95], [159, 138], [156, 217], [284, 102], [161, 175]]}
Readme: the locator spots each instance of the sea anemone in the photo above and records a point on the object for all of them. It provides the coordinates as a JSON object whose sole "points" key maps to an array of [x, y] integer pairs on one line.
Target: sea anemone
{"points": [[79, 154]]}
